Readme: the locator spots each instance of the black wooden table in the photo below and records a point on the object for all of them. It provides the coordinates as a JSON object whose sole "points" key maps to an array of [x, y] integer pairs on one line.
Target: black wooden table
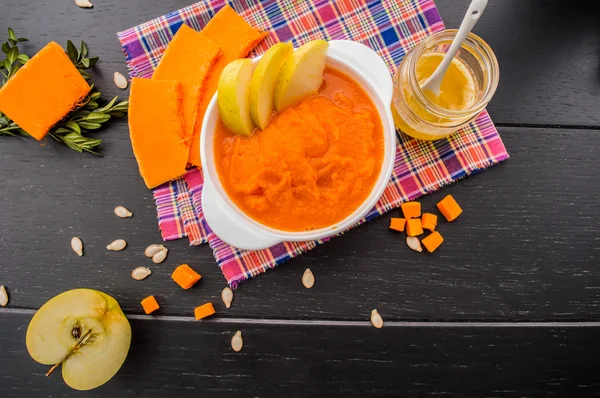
{"points": [[509, 306]]}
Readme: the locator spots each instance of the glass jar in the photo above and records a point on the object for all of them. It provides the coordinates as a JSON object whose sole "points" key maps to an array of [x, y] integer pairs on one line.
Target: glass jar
{"points": [[415, 114]]}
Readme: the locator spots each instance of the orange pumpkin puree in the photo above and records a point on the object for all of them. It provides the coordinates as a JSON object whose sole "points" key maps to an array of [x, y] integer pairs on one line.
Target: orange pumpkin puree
{"points": [[312, 166]]}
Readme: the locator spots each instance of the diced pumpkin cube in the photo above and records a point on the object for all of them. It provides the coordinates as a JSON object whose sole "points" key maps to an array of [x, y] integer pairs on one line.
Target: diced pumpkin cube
{"points": [[204, 311], [429, 221], [155, 126], [432, 241], [149, 304], [449, 208], [43, 91], [185, 276], [411, 209], [188, 59], [414, 227], [397, 224], [236, 38]]}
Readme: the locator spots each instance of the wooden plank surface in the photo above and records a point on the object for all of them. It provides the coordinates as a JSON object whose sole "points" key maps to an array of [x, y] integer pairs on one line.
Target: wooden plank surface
{"points": [[526, 247], [190, 359]]}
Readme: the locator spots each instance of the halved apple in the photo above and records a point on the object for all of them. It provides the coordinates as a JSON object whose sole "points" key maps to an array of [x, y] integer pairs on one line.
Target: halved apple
{"points": [[301, 75], [262, 86], [233, 96], [84, 330]]}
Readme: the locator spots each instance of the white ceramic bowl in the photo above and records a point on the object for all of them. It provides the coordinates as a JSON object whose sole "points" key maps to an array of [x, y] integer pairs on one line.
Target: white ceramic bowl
{"points": [[232, 225]]}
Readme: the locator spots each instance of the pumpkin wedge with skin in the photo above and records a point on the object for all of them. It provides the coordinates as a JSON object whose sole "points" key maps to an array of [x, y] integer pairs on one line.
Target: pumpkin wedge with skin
{"points": [[188, 59], [236, 38], [155, 126]]}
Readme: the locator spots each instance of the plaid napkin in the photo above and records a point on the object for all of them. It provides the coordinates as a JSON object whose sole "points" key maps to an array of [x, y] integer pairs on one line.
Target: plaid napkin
{"points": [[391, 28]]}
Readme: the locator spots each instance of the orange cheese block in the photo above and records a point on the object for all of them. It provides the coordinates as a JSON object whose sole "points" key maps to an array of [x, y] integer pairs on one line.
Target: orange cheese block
{"points": [[236, 38], [188, 59], [43, 91], [155, 126]]}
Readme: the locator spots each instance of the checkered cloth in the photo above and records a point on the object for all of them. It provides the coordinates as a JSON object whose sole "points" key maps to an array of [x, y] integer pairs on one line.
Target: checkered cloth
{"points": [[390, 27]]}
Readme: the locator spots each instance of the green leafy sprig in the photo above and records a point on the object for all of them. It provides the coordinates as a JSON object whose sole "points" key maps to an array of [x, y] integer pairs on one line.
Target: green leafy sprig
{"points": [[89, 116], [79, 58], [14, 60]]}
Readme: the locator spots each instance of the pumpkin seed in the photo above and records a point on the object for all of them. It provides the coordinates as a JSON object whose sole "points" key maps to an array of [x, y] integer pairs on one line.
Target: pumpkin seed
{"points": [[237, 342], [414, 243], [140, 273], [77, 246], [120, 81], [84, 3], [152, 250], [3, 296], [122, 212], [227, 296], [308, 279], [160, 256], [376, 319], [117, 245]]}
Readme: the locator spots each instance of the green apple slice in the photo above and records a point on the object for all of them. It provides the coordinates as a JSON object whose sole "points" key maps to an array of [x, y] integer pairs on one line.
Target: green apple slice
{"points": [[84, 330], [233, 96], [301, 75], [262, 86]]}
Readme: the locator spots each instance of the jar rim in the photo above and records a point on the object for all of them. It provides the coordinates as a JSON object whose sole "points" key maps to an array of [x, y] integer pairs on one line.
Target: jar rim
{"points": [[473, 43]]}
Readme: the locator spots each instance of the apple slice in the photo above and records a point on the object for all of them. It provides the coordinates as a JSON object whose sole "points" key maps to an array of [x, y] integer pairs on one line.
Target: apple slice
{"points": [[262, 86], [84, 330], [233, 96], [301, 75]]}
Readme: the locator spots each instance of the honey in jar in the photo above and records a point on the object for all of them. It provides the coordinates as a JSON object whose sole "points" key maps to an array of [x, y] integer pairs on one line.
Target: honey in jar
{"points": [[467, 87]]}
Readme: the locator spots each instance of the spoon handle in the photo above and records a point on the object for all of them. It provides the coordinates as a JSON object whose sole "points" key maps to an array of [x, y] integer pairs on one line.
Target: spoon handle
{"points": [[471, 17]]}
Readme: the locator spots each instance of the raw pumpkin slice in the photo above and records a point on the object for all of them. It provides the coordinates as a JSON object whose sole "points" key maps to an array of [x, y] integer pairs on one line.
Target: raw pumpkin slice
{"points": [[188, 59], [43, 91], [236, 38], [155, 126]]}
